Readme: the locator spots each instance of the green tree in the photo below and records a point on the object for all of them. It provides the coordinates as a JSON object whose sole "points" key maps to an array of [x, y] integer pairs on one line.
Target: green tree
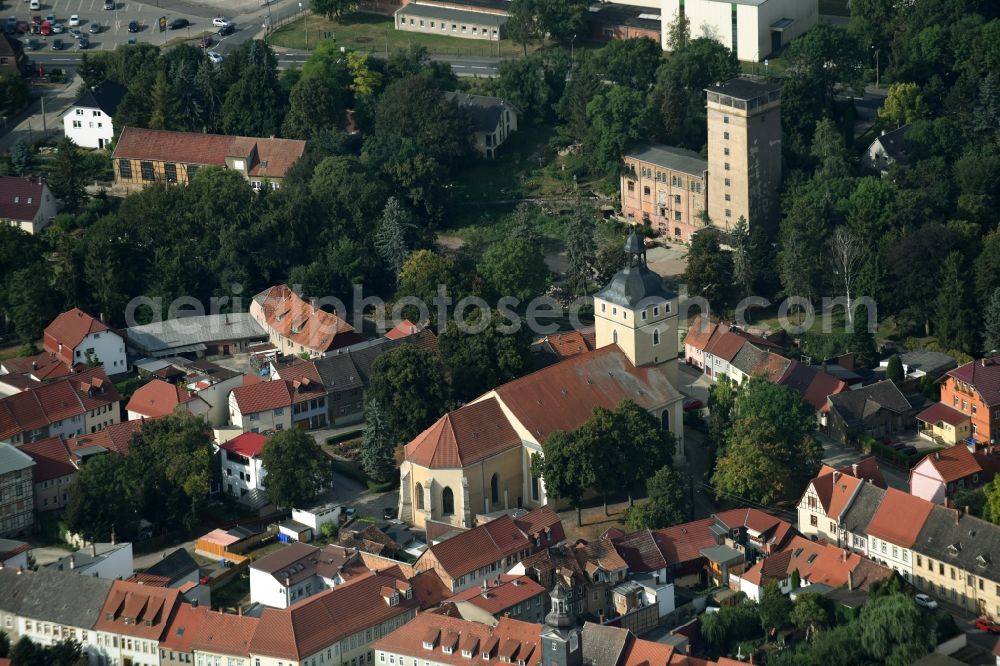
{"points": [[563, 20], [752, 469], [743, 257], [669, 502], [775, 609], [894, 370], [99, 501], [830, 150], [645, 445], [678, 32], [484, 355], [565, 469], [14, 93], [991, 510], [26, 653], [721, 400], [4, 644], [903, 105], [422, 273], [92, 69], [953, 312], [617, 117], [312, 106], [254, 104], [333, 9], [164, 112], [991, 323], [894, 631], [515, 267], [580, 248], [390, 236], [22, 158], [297, 469], [365, 81], [29, 302], [709, 272], [631, 62], [409, 383], [732, 624], [811, 612], [66, 652], [378, 445], [67, 176], [522, 25]]}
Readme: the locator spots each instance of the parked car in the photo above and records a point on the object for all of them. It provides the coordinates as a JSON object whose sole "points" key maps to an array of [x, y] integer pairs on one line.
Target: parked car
{"points": [[94, 28], [36, 20], [109, 4], [178, 23], [46, 29], [35, 4], [74, 20], [692, 404], [132, 40], [896, 446], [205, 42], [925, 601], [215, 57], [31, 45], [57, 28], [389, 513], [83, 42], [908, 450], [10, 26], [133, 26], [57, 44], [219, 21], [75, 32], [51, 18], [227, 29], [988, 625]]}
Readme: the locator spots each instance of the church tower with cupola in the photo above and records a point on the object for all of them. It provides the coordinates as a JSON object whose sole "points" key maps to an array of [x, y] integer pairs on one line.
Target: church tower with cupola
{"points": [[637, 313], [561, 645]]}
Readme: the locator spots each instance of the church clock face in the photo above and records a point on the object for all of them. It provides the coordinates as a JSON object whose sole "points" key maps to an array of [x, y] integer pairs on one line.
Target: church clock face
{"points": [[574, 642]]}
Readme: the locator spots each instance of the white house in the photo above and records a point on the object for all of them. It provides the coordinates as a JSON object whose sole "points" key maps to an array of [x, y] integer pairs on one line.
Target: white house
{"points": [[268, 406], [26, 203], [111, 561], [76, 337], [242, 469], [310, 521], [89, 121], [299, 571], [753, 29]]}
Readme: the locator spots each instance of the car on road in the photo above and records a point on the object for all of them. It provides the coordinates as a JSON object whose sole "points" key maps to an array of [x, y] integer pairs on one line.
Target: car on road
{"points": [[74, 20], [988, 625], [925, 601], [57, 28], [178, 23], [692, 404], [109, 4], [133, 26], [132, 40], [205, 42], [94, 28], [227, 29], [220, 21], [83, 42], [57, 45], [35, 4], [215, 57]]}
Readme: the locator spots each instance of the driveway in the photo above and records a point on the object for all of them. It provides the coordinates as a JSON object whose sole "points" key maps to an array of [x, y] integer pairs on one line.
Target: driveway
{"points": [[837, 455]]}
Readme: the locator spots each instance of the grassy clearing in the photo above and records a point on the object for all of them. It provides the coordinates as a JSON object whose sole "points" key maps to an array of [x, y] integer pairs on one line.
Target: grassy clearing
{"points": [[370, 32]]}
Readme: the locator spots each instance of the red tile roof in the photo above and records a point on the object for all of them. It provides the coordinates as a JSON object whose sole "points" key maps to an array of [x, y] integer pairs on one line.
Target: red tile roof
{"points": [[517, 641], [55, 401], [598, 554], [497, 595], [683, 543], [467, 435], [641, 652], [19, 198], [940, 412], [640, 551], [572, 343], [224, 633], [984, 375], [563, 396], [264, 157], [262, 396], [428, 589], [725, 344], [183, 627], [150, 579], [542, 523], [249, 444], [321, 620], [288, 315], [700, 333], [69, 329], [476, 548], [866, 469], [953, 463], [403, 329], [43, 367], [115, 438], [773, 530], [137, 610], [159, 398], [52, 459], [899, 518]]}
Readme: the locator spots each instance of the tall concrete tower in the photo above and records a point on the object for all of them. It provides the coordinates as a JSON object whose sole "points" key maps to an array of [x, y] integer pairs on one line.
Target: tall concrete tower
{"points": [[744, 152]]}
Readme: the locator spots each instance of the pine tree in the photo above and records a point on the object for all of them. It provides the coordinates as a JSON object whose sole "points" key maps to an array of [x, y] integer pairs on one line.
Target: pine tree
{"points": [[894, 370], [390, 236], [378, 445], [164, 109], [991, 323], [862, 343], [951, 308], [743, 267], [66, 177], [22, 158], [581, 251]]}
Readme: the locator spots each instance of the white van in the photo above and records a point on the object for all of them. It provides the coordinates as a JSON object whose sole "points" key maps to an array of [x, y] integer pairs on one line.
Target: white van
{"points": [[35, 4]]}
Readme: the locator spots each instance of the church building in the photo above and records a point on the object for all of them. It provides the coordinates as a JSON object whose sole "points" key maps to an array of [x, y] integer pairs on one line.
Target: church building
{"points": [[477, 459]]}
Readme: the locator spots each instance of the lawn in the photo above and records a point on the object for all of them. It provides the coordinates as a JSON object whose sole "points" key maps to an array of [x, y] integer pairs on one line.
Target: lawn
{"points": [[370, 32], [233, 594]]}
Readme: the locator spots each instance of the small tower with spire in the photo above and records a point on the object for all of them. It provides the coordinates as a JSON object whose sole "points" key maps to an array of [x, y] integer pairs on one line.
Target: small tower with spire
{"points": [[560, 634], [637, 313]]}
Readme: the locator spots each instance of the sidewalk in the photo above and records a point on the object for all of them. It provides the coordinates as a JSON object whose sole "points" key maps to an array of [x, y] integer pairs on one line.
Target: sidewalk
{"points": [[58, 98]]}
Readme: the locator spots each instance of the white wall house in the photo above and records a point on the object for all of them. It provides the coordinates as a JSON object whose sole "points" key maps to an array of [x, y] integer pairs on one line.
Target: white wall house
{"points": [[111, 561], [26, 203], [315, 517], [242, 470], [89, 121], [77, 337], [754, 29], [261, 407]]}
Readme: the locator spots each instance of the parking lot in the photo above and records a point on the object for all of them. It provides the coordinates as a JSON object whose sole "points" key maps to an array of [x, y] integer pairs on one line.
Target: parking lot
{"points": [[113, 23]]}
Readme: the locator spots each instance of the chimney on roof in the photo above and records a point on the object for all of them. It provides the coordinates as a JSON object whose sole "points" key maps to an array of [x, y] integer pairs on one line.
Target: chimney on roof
{"points": [[20, 569], [883, 133], [836, 476], [850, 579], [966, 509], [72, 561], [937, 455], [114, 539], [854, 469], [958, 514], [239, 611], [288, 581], [93, 549], [34, 365]]}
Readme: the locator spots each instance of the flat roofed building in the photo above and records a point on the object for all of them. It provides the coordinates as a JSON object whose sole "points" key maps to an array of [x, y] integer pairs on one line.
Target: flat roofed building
{"points": [[667, 186], [450, 21]]}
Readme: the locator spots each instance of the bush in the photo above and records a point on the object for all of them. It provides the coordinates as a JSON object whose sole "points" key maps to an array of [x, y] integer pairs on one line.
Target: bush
{"points": [[893, 456]]}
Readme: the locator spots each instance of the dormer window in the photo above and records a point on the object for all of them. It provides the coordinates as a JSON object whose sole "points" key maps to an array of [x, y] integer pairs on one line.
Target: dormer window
{"points": [[239, 165], [428, 645], [467, 654], [446, 649], [486, 656]]}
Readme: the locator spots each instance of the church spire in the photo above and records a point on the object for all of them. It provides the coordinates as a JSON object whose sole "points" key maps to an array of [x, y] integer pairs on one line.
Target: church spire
{"points": [[560, 616], [635, 250]]}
